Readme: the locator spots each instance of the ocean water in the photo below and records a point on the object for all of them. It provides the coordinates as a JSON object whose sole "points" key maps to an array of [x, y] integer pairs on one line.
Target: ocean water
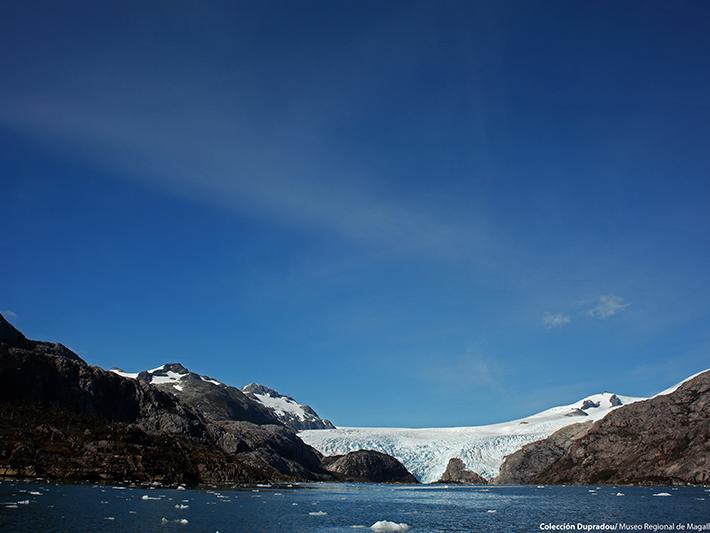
{"points": [[47, 507]]}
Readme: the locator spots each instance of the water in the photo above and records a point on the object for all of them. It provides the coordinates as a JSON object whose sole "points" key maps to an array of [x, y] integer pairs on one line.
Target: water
{"points": [[85, 508]]}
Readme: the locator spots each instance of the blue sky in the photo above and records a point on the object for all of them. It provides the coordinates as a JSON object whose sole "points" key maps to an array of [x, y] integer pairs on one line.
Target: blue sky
{"points": [[403, 213]]}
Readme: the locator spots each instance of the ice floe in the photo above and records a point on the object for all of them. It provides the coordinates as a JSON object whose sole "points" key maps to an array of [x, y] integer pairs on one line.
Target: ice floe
{"points": [[386, 525]]}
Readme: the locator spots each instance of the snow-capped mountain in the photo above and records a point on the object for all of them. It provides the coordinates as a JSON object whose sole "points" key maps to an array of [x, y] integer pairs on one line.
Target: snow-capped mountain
{"points": [[255, 403], [291, 413], [426, 452]]}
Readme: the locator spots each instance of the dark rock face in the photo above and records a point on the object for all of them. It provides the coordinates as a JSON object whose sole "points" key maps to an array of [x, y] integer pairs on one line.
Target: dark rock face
{"points": [[456, 473], [215, 400], [589, 404], [299, 417], [268, 446], [528, 464], [10, 335], [576, 412], [615, 400], [368, 465], [664, 440], [62, 418]]}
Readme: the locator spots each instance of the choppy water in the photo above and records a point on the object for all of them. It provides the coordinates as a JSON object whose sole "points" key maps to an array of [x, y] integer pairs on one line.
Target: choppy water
{"points": [[38, 507]]}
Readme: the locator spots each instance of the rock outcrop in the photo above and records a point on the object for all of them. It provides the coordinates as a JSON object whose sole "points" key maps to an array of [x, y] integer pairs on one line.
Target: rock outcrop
{"points": [[529, 463], [663, 440], [367, 465], [456, 473]]}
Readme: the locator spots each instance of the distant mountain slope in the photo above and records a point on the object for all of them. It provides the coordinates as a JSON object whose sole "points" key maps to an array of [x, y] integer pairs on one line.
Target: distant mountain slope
{"points": [[426, 452], [291, 413]]}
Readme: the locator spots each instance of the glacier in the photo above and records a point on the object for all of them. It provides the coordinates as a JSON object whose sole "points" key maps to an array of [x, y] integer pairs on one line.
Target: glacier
{"points": [[425, 452]]}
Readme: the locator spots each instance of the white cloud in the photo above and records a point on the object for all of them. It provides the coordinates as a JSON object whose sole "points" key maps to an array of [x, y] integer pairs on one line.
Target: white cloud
{"points": [[607, 306], [8, 313], [556, 320]]}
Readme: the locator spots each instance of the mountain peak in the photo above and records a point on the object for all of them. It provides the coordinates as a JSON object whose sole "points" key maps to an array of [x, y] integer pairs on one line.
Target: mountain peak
{"points": [[257, 388], [11, 335], [295, 415]]}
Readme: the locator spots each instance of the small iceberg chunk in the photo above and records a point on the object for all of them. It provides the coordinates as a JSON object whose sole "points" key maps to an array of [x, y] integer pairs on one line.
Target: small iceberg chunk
{"points": [[386, 525], [662, 494], [317, 513]]}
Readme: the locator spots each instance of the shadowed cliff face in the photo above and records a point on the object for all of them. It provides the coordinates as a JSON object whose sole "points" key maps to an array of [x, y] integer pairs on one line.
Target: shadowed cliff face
{"points": [[664, 440]]}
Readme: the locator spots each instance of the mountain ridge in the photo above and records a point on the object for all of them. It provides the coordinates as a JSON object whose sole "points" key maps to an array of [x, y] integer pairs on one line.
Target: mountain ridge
{"points": [[253, 402]]}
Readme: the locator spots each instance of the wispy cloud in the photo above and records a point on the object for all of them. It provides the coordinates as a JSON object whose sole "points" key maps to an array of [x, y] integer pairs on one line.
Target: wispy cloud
{"points": [[607, 306], [208, 146], [470, 369], [8, 313], [556, 320]]}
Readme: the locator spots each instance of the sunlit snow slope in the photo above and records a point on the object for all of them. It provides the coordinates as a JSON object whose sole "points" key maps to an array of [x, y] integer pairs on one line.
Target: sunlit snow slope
{"points": [[425, 452]]}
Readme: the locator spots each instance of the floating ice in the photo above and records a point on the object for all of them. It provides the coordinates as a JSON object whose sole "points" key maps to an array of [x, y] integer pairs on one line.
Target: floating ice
{"points": [[181, 506], [662, 494], [182, 521], [386, 525], [317, 513], [146, 497]]}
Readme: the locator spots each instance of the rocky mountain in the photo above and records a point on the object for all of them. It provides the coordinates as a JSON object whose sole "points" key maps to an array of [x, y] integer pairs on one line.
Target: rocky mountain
{"points": [[663, 440], [62, 418], [253, 403], [291, 413], [456, 473], [209, 396], [368, 465]]}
